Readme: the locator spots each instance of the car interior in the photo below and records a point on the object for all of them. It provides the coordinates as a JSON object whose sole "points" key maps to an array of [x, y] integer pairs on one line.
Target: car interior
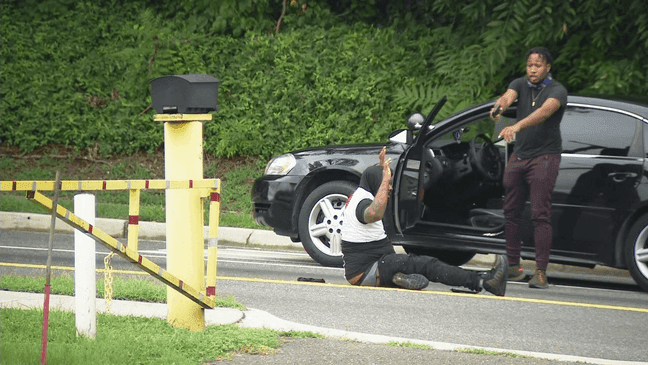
{"points": [[463, 176]]}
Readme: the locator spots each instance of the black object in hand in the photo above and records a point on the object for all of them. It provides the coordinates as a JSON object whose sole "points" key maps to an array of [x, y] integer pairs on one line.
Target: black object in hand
{"points": [[497, 111]]}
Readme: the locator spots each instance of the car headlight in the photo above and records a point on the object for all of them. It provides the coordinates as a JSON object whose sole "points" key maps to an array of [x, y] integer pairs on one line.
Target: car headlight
{"points": [[281, 165]]}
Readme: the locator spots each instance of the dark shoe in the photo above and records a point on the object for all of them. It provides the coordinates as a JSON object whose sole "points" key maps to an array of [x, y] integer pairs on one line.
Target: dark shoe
{"points": [[515, 273], [495, 280], [410, 281], [539, 280]]}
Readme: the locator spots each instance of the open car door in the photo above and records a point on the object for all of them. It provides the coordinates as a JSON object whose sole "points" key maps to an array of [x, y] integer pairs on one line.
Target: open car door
{"points": [[408, 179]]}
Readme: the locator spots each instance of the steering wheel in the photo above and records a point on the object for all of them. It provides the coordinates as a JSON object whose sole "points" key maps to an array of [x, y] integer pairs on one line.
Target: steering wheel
{"points": [[485, 157], [433, 169]]}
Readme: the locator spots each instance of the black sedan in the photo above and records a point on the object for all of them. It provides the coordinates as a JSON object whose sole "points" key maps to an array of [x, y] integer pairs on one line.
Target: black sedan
{"points": [[448, 195]]}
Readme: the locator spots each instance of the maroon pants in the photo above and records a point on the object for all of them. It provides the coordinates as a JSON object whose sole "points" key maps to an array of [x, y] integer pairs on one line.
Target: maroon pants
{"points": [[532, 179]]}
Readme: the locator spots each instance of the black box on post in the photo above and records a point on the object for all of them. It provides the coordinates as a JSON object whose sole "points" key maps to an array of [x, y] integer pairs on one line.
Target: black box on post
{"points": [[180, 94]]}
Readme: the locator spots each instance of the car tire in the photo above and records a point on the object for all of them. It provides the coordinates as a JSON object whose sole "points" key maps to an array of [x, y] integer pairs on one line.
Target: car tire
{"points": [[636, 252], [455, 258], [320, 221]]}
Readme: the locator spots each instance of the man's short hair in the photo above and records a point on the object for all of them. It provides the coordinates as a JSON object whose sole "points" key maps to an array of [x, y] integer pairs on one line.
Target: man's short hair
{"points": [[541, 51]]}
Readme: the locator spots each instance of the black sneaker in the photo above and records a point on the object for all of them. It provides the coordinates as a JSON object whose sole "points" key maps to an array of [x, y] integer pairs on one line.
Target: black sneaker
{"points": [[495, 280], [410, 281]]}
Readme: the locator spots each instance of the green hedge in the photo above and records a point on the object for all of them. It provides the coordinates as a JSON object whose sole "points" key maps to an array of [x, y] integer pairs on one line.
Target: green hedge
{"points": [[78, 73]]}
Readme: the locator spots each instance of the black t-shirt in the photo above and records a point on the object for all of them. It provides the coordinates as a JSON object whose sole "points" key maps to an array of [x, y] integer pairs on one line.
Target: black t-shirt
{"points": [[545, 137]]}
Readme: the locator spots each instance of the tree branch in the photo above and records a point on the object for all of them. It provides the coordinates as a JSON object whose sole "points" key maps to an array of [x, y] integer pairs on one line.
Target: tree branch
{"points": [[283, 12], [152, 59], [145, 110]]}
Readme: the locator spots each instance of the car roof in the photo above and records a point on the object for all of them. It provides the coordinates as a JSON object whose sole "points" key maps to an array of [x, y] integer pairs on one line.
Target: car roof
{"points": [[632, 99], [625, 103], [635, 104], [630, 104]]}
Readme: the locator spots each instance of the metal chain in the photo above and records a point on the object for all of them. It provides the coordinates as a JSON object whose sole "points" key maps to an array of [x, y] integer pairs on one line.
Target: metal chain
{"points": [[108, 281]]}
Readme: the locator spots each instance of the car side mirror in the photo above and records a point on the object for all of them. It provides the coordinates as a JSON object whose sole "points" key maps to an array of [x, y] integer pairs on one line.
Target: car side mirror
{"points": [[415, 122]]}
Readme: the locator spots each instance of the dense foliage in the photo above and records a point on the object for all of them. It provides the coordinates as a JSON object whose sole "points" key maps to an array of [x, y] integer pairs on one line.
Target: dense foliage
{"points": [[309, 74]]}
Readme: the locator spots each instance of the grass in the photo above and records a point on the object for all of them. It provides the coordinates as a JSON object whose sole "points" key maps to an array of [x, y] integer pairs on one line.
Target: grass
{"points": [[466, 351], [409, 345], [124, 340], [108, 208], [137, 289], [138, 340], [489, 353]]}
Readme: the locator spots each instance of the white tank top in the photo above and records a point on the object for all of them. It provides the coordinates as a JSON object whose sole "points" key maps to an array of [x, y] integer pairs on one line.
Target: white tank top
{"points": [[355, 231]]}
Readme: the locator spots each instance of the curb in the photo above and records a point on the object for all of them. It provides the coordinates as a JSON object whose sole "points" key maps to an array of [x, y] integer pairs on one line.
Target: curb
{"points": [[118, 228]]}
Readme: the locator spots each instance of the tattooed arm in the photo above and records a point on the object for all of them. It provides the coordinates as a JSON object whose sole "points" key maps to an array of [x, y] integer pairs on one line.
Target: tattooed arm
{"points": [[376, 211]]}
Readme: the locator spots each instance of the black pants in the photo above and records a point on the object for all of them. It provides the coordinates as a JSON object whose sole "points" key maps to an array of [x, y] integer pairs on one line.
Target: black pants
{"points": [[430, 267]]}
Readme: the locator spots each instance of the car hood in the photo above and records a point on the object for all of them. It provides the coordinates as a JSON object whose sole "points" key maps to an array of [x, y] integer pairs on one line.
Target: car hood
{"points": [[342, 149], [354, 158]]}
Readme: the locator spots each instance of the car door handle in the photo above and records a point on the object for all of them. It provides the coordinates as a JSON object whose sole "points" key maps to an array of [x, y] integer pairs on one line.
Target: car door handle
{"points": [[622, 176]]}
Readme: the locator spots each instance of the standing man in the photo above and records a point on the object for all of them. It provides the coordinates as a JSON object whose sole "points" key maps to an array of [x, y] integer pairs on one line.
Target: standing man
{"points": [[533, 167], [370, 259]]}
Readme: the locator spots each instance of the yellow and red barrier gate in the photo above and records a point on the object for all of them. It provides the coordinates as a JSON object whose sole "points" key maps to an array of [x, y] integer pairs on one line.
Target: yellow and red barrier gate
{"points": [[209, 188]]}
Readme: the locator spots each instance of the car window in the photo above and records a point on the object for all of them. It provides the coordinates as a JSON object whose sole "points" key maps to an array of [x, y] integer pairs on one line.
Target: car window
{"points": [[588, 131]]}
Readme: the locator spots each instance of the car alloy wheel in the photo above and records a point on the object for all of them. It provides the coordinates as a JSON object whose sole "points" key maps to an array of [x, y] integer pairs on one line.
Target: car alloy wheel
{"points": [[641, 253], [325, 223], [320, 222], [636, 252]]}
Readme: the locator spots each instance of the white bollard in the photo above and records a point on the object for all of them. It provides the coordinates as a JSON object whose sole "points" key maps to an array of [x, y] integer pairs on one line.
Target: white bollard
{"points": [[85, 268]]}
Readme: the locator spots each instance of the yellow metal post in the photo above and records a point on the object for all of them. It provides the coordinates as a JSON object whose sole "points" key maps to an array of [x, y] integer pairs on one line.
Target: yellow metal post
{"points": [[183, 160]]}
